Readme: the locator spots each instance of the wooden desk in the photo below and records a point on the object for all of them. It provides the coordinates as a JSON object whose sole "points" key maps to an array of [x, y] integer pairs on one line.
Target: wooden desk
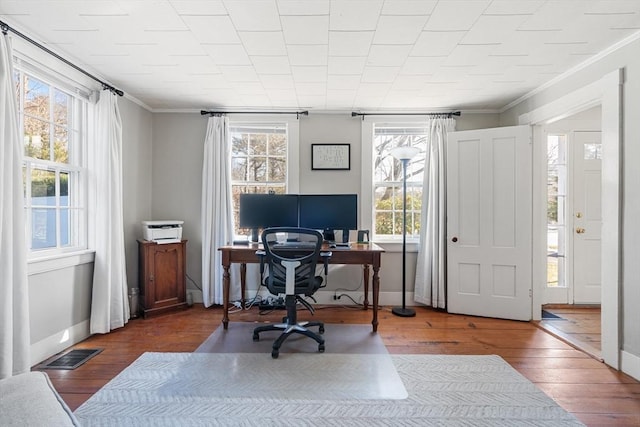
{"points": [[367, 254]]}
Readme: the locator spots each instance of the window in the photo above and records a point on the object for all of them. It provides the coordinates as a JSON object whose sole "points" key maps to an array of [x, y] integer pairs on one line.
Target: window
{"points": [[556, 198], [388, 179], [52, 121], [258, 160]]}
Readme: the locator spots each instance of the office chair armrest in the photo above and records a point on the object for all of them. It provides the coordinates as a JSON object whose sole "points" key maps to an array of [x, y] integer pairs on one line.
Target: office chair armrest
{"points": [[326, 255], [261, 253]]}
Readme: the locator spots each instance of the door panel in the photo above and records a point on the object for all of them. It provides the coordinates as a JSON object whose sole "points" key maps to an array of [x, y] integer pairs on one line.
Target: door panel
{"points": [[489, 222], [587, 184]]}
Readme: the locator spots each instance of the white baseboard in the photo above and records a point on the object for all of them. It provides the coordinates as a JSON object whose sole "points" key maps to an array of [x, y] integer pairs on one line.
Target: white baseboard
{"points": [[59, 341], [630, 364]]}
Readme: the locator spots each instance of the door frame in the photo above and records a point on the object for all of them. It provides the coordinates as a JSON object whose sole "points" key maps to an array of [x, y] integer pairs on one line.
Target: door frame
{"points": [[606, 92]]}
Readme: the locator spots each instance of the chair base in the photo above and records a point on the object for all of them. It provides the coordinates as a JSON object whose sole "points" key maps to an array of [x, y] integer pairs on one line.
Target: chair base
{"points": [[288, 330]]}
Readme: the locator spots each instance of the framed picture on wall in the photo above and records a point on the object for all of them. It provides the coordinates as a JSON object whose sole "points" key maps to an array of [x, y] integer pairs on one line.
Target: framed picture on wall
{"points": [[330, 156]]}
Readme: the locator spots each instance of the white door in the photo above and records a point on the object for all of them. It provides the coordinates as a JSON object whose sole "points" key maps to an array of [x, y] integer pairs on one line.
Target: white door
{"points": [[587, 217], [489, 200]]}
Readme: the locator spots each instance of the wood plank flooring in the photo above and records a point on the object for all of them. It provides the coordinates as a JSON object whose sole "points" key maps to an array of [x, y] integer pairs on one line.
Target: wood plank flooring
{"points": [[579, 326], [593, 392]]}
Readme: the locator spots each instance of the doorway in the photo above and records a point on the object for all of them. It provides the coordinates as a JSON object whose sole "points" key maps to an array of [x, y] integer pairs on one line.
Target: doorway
{"points": [[572, 294]]}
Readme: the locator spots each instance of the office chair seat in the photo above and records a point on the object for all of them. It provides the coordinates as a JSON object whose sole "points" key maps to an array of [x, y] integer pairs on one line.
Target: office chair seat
{"points": [[291, 255]]}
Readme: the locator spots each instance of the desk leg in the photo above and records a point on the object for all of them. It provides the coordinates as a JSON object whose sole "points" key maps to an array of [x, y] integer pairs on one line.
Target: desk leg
{"points": [[226, 280], [243, 282], [376, 291], [366, 286]]}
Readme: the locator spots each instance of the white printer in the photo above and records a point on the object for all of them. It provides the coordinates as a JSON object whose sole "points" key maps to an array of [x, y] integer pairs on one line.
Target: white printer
{"points": [[162, 231]]}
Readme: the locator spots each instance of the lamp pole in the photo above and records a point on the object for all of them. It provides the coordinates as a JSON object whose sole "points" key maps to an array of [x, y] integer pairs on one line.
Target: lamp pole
{"points": [[404, 154]]}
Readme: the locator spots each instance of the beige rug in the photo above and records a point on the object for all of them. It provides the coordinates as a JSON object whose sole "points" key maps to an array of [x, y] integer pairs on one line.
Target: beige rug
{"points": [[183, 389], [339, 338]]}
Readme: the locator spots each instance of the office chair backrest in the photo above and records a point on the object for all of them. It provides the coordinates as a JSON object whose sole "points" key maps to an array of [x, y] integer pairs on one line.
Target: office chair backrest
{"points": [[292, 244]]}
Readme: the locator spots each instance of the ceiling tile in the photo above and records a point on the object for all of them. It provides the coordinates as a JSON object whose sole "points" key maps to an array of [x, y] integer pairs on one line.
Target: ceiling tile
{"points": [[263, 43], [399, 29], [307, 54], [437, 43], [309, 74], [350, 43], [347, 65], [212, 29], [337, 82], [356, 15], [379, 74], [239, 73], [305, 29], [455, 15], [408, 7], [277, 81], [388, 55], [271, 64], [227, 54], [198, 7], [303, 7], [254, 15]]}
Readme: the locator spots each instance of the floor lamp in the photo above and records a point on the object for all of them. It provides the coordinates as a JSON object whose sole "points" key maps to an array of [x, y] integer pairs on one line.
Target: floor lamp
{"points": [[404, 154]]}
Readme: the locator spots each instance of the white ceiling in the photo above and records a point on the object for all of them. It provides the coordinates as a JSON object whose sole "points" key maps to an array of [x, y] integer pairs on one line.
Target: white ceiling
{"points": [[385, 55]]}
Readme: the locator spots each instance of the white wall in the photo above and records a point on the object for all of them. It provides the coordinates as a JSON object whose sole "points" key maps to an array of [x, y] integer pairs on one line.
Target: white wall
{"points": [[627, 59]]}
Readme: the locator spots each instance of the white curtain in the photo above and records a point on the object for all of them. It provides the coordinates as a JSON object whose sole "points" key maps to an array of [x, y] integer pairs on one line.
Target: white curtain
{"points": [[431, 267], [110, 302], [217, 208], [15, 339]]}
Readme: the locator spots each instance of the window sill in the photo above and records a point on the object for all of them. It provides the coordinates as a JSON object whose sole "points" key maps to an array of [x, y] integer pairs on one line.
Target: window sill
{"points": [[396, 246], [59, 261]]}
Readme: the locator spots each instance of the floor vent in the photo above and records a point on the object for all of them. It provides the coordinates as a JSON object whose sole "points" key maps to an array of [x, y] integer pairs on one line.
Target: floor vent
{"points": [[71, 359]]}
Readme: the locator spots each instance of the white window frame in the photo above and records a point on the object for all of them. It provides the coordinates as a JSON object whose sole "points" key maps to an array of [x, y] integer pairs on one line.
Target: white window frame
{"points": [[293, 142], [77, 252], [367, 182]]}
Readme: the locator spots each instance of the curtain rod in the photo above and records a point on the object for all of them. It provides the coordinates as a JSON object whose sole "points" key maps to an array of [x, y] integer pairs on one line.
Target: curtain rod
{"points": [[221, 113], [443, 114], [6, 28]]}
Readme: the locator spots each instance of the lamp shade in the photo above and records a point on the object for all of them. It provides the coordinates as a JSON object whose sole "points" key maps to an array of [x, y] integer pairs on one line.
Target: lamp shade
{"points": [[404, 153]]}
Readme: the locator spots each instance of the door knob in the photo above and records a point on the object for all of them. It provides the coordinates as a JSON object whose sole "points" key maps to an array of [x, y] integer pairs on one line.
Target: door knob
{"points": [[455, 239], [579, 215], [580, 230]]}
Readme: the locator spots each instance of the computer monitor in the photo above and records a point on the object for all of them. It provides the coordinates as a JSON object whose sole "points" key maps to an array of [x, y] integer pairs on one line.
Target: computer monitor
{"points": [[329, 212], [267, 210]]}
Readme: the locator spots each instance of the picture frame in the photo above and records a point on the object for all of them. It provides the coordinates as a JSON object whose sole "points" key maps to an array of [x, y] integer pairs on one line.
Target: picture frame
{"points": [[330, 156]]}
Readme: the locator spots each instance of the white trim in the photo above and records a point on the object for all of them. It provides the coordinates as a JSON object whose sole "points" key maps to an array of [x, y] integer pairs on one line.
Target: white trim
{"points": [[607, 92], [59, 262], [630, 364], [59, 341], [570, 72]]}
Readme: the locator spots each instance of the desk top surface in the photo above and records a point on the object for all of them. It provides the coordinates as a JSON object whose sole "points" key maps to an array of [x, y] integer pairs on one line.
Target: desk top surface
{"points": [[365, 247]]}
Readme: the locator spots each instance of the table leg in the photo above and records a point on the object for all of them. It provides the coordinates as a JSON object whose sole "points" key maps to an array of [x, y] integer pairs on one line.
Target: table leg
{"points": [[226, 280], [366, 286], [376, 291], [243, 282]]}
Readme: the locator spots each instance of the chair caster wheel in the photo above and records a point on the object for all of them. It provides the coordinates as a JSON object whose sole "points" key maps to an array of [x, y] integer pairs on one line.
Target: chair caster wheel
{"points": [[321, 329], [321, 348], [256, 337], [274, 354]]}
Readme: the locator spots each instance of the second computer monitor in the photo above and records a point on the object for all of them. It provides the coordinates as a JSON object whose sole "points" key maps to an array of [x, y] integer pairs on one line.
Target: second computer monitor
{"points": [[329, 212]]}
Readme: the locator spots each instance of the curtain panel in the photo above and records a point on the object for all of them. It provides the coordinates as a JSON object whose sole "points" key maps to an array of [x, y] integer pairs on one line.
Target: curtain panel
{"points": [[431, 264], [110, 302], [216, 207], [15, 340]]}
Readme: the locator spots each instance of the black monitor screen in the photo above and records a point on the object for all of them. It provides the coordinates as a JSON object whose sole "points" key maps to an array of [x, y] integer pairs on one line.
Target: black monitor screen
{"points": [[329, 211], [268, 210]]}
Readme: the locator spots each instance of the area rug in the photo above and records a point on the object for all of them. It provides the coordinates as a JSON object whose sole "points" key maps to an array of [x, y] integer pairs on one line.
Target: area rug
{"points": [[181, 389], [339, 338]]}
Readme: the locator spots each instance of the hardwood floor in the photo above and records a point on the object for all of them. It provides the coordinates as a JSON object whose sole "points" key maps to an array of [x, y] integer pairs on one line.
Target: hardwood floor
{"points": [[593, 392], [578, 326]]}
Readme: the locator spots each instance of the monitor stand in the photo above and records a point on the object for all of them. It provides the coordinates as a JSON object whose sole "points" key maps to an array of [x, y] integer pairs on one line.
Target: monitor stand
{"points": [[329, 235], [254, 235]]}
